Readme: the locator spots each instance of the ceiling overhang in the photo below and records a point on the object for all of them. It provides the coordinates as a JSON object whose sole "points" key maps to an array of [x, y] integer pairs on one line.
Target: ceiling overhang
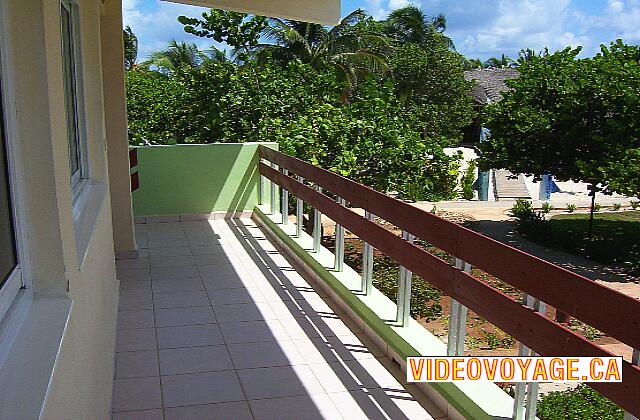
{"points": [[325, 12]]}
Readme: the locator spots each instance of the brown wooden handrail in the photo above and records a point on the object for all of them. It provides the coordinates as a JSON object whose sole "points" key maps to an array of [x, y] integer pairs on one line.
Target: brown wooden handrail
{"points": [[553, 285], [617, 315]]}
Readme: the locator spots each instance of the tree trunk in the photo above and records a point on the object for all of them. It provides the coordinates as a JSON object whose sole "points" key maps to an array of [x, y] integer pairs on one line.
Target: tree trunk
{"points": [[593, 204]]}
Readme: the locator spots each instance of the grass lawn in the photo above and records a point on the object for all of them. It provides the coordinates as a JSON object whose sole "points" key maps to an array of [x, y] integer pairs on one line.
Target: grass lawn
{"points": [[616, 236]]}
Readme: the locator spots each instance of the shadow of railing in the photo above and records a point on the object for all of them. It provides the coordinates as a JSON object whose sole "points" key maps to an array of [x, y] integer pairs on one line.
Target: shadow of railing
{"points": [[374, 399]]}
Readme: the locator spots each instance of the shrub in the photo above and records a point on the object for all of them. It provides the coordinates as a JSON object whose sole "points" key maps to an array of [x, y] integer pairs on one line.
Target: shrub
{"points": [[635, 204], [425, 299], [597, 207], [616, 206], [579, 403], [468, 180], [522, 210], [546, 207], [571, 208]]}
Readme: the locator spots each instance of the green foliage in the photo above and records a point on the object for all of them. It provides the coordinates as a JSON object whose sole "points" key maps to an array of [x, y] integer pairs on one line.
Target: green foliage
{"points": [[430, 82], [571, 208], [411, 25], [238, 30], [130, 47], [179, 57], [157, 108], [635, 204], [495, 342], [546, 207], [425, 299], [581, 403], [352, 51], [573, 118], [500, 63], [293, 92], [616, 206], [467, 181], [614, 238], [522, 209], [528, 219], [597, 207]]}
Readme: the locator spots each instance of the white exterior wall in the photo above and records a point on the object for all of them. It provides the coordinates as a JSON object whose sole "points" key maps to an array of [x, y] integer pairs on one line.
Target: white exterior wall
{"points": [[57, 344]]}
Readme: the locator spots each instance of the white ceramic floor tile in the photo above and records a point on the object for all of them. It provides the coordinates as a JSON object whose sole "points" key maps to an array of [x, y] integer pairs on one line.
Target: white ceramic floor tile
{"points": [[133, 274], [135, 319], [136, 394], [138, 415], [130, 302], [295, 408], [253, 331], [265, 354], [171, 260], [178, 251], [189, 336], [137, 364], [238, 410], [276, 382], [230, 310], [184, 316], [235, 296], [194, 360], [177, 285], [137, 339], [201, 388], [162, 273], [180, 299]]}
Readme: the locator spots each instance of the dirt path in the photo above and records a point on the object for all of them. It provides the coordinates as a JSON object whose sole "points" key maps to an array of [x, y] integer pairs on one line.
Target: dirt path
{"points": [[495, 223]]}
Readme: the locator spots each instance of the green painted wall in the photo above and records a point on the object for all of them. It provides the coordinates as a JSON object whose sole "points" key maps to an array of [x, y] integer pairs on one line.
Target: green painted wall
{"points": [[197, 178]]}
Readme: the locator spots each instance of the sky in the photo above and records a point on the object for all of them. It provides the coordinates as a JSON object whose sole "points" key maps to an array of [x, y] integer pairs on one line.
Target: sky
{"points": [[479, 28]]}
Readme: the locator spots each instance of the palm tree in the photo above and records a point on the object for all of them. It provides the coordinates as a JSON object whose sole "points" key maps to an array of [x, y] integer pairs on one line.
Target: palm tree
{"points": [[176, 57], [351, 52], [500, 63], [411, 24], [472, 63], [130, 47]]}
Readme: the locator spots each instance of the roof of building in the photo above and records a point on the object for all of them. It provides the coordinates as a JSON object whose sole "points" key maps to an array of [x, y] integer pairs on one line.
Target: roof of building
{"points": [[491, 83]]}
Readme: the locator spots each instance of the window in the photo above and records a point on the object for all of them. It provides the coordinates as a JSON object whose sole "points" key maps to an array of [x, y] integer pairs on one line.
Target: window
{"points": [[72, 87], [8, 253]]}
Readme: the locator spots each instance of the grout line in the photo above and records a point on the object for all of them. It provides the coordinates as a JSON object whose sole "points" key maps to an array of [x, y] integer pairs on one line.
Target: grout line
{"points": [[155, 330], [230, 358]]}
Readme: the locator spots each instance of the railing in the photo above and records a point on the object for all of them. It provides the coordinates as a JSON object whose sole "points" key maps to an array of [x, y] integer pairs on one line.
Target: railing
{"points": [[611, 312]]}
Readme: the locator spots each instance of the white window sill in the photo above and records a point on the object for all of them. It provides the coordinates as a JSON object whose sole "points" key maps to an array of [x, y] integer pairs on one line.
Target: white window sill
{"points": [[86, 210], [30, 336]]}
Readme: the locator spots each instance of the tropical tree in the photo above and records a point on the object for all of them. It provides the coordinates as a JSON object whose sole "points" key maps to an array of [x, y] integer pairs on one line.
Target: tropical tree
{"points": [[410, 24], [574, 118], [240, 31], [352, 53], [472, 63], [499, 63], [179, 55], [130, 47]]}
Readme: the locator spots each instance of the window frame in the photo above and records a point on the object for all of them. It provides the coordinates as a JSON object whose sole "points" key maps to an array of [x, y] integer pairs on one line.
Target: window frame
{"points": [[72, 68], [14, 282]]}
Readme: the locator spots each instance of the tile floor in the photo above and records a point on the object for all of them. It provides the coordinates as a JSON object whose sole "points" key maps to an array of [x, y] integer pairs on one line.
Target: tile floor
{"points": [[215, 324]]}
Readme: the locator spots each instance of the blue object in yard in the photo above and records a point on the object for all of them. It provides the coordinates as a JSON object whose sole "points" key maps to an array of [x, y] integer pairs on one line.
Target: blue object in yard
{"points": [[547, 186], [483, 176], [483, 186]]}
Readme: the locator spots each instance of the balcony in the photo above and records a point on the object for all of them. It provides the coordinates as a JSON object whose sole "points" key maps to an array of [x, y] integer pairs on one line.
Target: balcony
{"points": [[234, 310]]}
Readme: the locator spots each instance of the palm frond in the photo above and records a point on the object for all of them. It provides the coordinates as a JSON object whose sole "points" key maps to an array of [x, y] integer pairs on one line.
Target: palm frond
{"points": [[348, 21]]}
